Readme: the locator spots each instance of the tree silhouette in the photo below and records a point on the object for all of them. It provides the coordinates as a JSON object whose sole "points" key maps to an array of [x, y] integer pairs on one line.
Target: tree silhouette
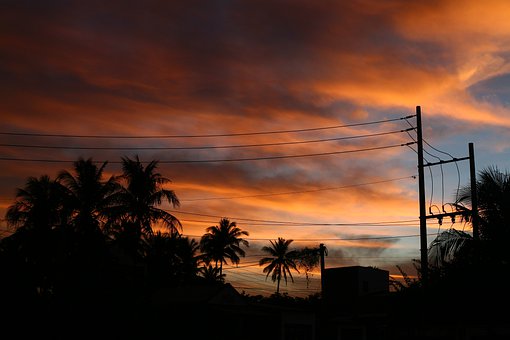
{"points": [[222, 242], [308, 259], [280, 263], [211, 274], [171, 259], [138, 203], [88, 195], [460, 264], [447, 246], [189, 259], [59, 263], [38, 206], [40, 218], [493, 192]]}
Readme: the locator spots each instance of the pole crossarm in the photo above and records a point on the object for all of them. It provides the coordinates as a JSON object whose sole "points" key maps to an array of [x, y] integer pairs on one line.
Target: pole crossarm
{"points": [[450, 214], [447, 161]]}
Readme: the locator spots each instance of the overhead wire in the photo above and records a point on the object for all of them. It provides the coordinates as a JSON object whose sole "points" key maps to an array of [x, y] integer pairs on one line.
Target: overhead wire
{"points": [[285, 193], [441, 169], [329, 239], [292, 222], [298, 191], [431, 176], [442, 178], [441, 160], [261, 224], [184, 161], [204, 135], [203, 147], [431, 180], [456, 165], [244, 159]]}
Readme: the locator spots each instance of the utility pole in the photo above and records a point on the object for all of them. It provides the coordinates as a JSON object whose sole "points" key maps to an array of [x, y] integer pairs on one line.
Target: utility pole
{"points": [[322, 251], [474, 193], [421, 187], [423, 213]]}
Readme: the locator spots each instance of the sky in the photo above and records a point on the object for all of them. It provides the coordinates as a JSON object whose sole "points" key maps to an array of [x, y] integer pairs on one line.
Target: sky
{"points": [[287, 117]]}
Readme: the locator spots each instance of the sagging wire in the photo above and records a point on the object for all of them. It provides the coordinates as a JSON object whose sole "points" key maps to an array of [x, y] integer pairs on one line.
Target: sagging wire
{"points": [[440, 221], [440, 165], [456, 165], [444, 153], [442, 174], [431, 185]]}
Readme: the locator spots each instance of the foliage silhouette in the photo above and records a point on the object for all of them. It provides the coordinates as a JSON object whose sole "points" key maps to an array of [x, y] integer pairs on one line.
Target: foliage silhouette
{"points": [[223, 242], [137, 209], [460, 266], [38, 206], [280, 262], [308, 259], [40, 217], [171, 259], [63, 261], [211, 274], [88, 195], [493, 193]]}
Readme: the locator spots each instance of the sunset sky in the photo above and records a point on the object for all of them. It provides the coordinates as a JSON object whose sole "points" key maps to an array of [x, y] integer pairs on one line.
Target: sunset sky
{"points": [[206, 81]]}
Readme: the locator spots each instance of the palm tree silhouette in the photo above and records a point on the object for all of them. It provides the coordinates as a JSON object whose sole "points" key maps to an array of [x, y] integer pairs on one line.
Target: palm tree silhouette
{"points": [[447, 246], [280, 263], [493, 192], [171, 258], [456, 258], [211, 274], [138, 209], [189, 259], [40, 218], [38, 206], [89, 196], [223, 242]]}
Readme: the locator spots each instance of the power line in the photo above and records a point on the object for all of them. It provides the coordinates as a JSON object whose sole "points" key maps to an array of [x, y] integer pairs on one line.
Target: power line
{"points": [[299, 191], [431, 177], [295, 223], [442, 174], [456, 165], [283, 193], [221, 160], [440, 160], [273, 224], [202, 136], [61, 147], [331, 239], [343, 257], [248, 265]]}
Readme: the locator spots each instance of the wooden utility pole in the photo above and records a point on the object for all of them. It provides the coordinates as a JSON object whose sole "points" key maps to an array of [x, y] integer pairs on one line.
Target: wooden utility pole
{"points": [[421, 187], [423, 214], [474, 193], [322, 252]]}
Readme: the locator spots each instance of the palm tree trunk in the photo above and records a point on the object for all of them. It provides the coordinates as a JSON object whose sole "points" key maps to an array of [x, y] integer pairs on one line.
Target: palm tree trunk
{"points": [[278, 285]]}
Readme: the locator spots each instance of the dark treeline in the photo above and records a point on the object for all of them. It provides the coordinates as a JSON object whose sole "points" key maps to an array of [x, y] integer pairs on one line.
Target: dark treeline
{"points": [[468, 278], [88, 252], [85, 247]]}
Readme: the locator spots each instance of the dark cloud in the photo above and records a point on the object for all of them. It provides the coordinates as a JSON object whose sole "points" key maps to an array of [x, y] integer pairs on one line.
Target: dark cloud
{"points": [[494, 90]]}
